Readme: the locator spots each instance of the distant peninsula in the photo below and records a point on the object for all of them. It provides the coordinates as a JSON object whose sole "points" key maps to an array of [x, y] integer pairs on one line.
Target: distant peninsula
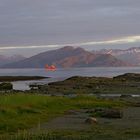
{"points": [[20, 78]]}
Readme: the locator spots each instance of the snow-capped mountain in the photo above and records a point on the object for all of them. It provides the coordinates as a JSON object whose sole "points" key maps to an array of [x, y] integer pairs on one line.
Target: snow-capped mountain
{"points": [[131, 55]]}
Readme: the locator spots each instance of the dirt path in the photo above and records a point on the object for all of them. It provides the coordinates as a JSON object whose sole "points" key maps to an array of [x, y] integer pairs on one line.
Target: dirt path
{"points": [[75, 120], [72, 120]]}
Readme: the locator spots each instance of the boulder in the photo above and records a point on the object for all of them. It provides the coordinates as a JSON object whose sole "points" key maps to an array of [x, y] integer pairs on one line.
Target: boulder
{"points": [[109, 113], [125, 96], [91, 120], [136, 104]]}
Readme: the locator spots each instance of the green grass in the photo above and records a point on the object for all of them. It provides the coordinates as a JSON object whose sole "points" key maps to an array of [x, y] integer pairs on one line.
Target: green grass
{"points": [[94, 134], [20, 111]]}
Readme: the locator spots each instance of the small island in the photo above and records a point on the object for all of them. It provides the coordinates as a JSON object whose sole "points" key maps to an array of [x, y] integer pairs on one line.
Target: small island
{"points": [[20, 78]]}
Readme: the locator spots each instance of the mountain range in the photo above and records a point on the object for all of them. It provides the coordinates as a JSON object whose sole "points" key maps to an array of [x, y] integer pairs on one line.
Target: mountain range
{"points": [[69, 56], [11, 59], [131, 55]]}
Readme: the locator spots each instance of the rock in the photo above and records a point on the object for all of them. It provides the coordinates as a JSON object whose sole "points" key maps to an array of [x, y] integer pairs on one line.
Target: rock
{"points": [[112, 114], [109, 113], [91, 120], [136, 104], [90, 111], [125, 96]]}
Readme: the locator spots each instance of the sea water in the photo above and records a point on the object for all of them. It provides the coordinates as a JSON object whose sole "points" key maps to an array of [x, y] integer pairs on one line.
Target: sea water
{"points": [[63, 73]]}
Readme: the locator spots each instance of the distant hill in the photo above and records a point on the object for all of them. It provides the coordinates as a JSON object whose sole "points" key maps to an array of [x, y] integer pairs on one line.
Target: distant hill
{"points": [[68, 57], [6, 60], [129, 76]]}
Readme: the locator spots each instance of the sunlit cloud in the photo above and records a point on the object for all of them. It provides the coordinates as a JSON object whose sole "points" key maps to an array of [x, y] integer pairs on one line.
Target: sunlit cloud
{"points": [[28, 47], [123, 40]]}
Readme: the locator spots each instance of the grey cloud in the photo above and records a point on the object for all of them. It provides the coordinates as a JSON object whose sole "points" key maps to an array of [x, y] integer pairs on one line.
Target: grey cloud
{"points": [[43, 22]]}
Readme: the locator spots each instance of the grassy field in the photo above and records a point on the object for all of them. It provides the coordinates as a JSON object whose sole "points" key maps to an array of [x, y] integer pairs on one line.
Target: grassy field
{"points": [[19, 113]]}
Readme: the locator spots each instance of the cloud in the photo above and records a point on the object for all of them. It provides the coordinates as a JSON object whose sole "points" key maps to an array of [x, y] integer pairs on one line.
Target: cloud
{"points": [[28, 47], [123, 40], [39, 22]]}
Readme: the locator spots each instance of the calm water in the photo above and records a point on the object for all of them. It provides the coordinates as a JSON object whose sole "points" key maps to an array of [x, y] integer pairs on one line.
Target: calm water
{"points": [[62, 74]]}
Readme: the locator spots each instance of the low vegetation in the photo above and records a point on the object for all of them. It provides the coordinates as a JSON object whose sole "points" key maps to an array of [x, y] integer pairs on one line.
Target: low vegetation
{"points": [[124, 84], [6, 86]]}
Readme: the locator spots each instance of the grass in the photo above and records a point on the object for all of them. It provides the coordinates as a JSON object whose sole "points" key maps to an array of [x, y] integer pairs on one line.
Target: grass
{"points": [[94, 134], [20, 111]]}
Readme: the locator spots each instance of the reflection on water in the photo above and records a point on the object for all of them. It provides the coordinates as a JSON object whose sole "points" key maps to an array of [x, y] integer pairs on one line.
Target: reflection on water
{"points": [[61, 74], [24, 85], [21, 85]]}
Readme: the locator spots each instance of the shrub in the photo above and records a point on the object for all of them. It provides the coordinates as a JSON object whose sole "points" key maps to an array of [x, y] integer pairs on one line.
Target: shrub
{"points": [[6, 86]]}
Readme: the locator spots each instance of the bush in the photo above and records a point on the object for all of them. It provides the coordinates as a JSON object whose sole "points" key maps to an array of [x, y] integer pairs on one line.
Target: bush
{"points": [[6, 86]]}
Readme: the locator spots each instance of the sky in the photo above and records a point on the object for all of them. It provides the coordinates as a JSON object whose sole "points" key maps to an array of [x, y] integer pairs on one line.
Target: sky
{"points": [[28, 27]]}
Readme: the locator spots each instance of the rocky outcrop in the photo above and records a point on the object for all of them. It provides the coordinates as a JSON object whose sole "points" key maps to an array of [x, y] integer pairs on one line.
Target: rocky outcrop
{"points": [[108, 113]]}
